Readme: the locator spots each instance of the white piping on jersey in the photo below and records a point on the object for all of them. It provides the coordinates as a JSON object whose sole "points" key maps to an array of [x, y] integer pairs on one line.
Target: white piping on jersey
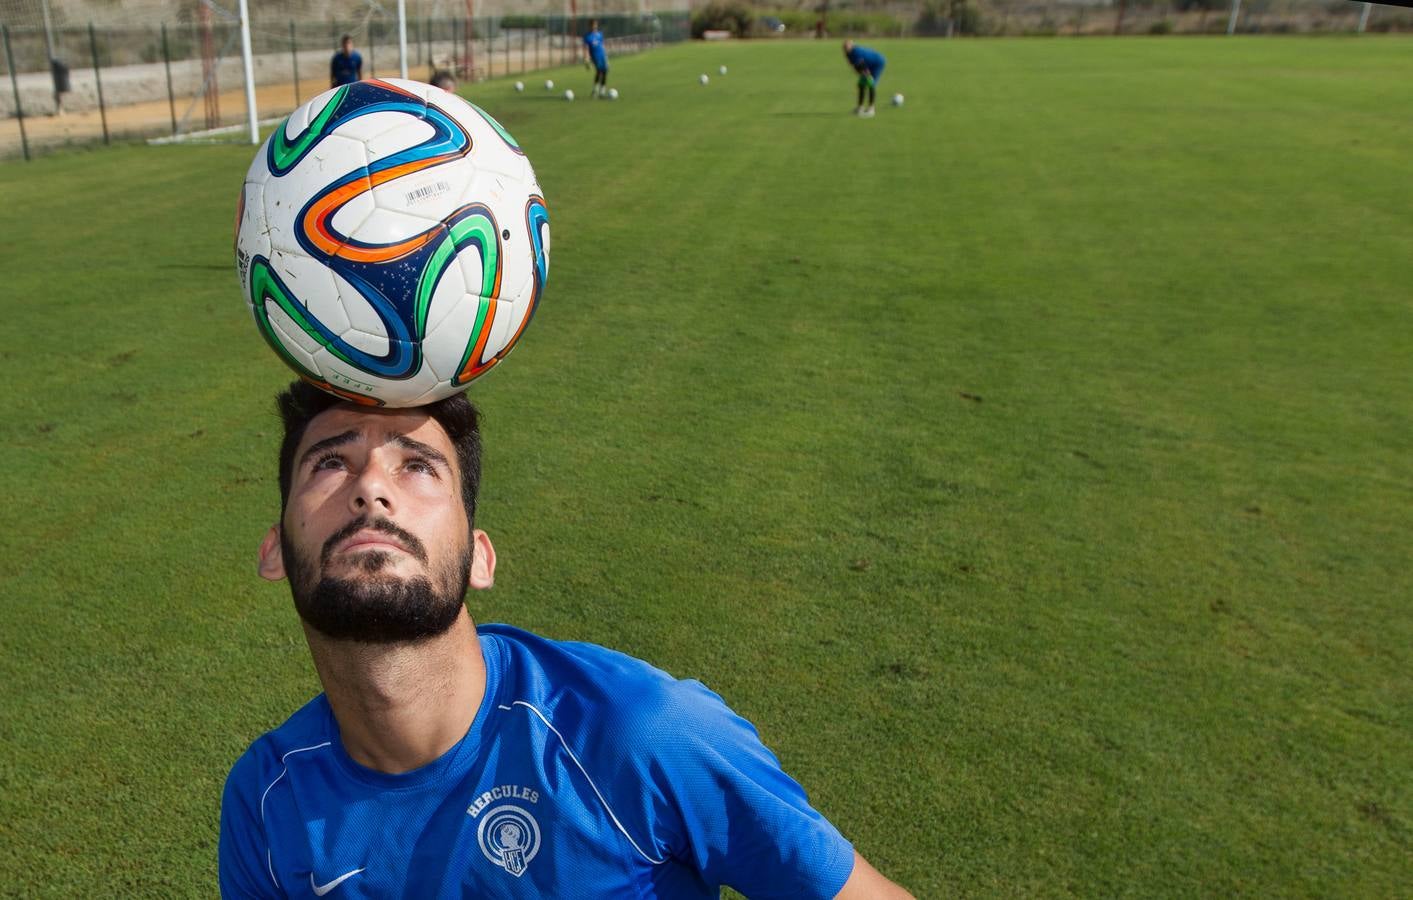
{"points": [[269, 861], [608, 809]]}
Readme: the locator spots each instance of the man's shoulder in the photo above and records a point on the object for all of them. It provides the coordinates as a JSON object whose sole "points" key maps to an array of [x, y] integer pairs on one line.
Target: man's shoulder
{"points": [[305, 731], [594, 692], [548, 668]]}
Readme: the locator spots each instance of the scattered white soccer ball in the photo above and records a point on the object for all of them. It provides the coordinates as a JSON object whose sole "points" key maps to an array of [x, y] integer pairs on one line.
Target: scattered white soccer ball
{"points": [[704, 79], [613, 93], [897, 99], [519, 86], [549, 84], [722, 70], [568, 95], [392, 242]]}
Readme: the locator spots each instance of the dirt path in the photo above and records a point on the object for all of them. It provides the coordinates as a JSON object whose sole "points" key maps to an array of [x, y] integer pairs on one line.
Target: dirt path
{"points": [[154, 118], [142, 119]]}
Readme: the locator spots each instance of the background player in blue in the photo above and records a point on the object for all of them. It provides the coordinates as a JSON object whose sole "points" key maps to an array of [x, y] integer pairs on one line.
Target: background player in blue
{"points": [[594, 53], [347, 65], [443, 760], [869, 66]]}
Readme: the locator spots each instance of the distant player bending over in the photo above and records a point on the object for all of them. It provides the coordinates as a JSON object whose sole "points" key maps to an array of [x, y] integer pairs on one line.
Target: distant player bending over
{"points": [[594, 53], [869, 64]]}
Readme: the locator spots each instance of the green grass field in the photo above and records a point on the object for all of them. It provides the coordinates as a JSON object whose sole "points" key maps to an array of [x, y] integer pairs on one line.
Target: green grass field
{"points": [[1031, 464]]}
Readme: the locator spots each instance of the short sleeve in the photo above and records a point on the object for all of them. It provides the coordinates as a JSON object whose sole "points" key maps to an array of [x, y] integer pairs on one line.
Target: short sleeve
{"points": [[241, 851], [726, 808]]}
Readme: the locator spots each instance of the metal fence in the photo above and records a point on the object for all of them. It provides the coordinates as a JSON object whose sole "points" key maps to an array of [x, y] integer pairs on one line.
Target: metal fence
{"points": [[78, 85], [84, 85], [1191, 17], [1026, 18]]}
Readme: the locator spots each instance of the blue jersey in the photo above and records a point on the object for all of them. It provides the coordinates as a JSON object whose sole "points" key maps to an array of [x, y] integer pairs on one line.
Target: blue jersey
{"points": [[345, 69], [586, 773], [594, 41], [862, 58]]}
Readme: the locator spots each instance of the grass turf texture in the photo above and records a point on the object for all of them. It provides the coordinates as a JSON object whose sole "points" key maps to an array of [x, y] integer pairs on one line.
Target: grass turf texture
{"points": [[1030, 463]]}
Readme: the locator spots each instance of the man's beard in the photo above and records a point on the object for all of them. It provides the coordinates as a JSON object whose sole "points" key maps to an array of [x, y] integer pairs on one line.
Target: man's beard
{"points": [[377, 608]]}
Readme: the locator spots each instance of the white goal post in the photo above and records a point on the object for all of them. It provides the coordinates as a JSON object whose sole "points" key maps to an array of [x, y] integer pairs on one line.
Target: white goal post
{"points": [[248, 63]]}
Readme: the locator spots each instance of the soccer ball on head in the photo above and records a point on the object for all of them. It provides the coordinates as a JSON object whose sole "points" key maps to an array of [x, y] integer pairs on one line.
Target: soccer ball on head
{"points": [[392, 242]]}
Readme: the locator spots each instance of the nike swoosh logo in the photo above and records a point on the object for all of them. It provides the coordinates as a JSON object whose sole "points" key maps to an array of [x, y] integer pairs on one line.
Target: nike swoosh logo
{"points": [[322, 889]]}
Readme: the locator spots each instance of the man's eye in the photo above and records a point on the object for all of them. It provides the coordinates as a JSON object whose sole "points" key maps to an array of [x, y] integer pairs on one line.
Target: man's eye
{"points": [[328, 461], [420, 465]]}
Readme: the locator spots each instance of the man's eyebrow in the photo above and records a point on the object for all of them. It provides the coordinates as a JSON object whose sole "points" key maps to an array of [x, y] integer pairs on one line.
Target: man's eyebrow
{"points": [[416, 446], [328, 443]]}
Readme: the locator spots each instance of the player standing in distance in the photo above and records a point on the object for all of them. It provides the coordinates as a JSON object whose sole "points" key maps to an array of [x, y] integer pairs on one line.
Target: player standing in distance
{"points": [[869, 64], [594, 53], [449, 760], [347, 65]]}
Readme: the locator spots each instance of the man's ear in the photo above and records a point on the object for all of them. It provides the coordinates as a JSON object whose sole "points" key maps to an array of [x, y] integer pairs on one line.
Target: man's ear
{"points": [[272, 555], [483, 561]]}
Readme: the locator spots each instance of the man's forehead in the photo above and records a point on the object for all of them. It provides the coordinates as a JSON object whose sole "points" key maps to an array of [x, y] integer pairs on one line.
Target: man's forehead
{"points": [[376, 425]]}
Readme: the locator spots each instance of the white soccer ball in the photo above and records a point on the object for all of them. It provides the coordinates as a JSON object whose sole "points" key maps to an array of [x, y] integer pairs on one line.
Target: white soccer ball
{"points": [[703, 79], [613, 93], [392, 242], [722, 70], [897, 99], [568, 95], [549, 84], [519, 86]]}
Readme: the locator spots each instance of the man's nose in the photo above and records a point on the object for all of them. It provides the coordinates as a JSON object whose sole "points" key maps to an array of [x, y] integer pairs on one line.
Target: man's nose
{"points": [[372, 492]]}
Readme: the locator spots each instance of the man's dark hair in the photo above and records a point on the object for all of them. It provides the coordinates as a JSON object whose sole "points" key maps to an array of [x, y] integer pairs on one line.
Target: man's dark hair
{"points": [[301, 402], [345, 40]]}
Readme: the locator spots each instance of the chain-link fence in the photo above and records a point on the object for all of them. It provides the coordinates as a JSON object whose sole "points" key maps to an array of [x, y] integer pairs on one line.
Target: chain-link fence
{"points": [[1017, 18], [1193, 17], [71, 85]]}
